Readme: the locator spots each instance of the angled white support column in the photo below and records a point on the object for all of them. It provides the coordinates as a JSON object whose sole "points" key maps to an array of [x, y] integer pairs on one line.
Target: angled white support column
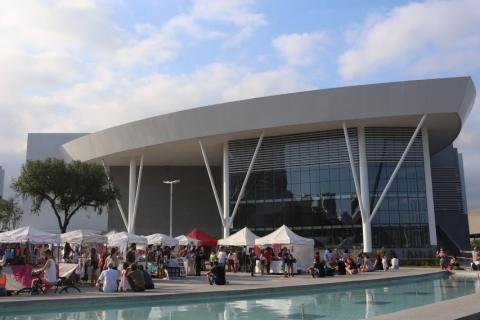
{"points": [[354, 172], [137, 192], [364, 190], [432, 230], [212, 182], [226, 191], [399, 164], [119, 205], [132, 188], [242, 190]]}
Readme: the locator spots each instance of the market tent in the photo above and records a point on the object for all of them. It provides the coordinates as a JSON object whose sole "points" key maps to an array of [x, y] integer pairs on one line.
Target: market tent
{"points": [[300, 247], [206, 239], [161, 239], [123, 239], [242, 238], [29, 234], [82, 237], [185, 241]]}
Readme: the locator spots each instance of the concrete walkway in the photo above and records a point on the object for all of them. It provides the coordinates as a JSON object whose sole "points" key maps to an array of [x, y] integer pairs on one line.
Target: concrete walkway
{"points": [[194, 288]]}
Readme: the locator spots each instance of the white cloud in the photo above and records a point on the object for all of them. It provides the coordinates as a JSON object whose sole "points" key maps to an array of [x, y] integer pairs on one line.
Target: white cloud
{"points": [[425, 38], [300, 48]]}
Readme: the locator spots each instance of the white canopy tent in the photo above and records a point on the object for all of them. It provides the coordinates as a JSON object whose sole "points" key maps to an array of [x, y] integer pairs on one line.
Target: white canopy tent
{"points": [[242, 238], [82, 237], [185, 241], [300, 247], [123, 238], [161, 239], [29, 234]]}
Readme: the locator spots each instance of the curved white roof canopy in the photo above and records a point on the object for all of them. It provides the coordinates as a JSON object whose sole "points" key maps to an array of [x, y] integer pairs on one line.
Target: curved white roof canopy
{"points": [[172, 139]]}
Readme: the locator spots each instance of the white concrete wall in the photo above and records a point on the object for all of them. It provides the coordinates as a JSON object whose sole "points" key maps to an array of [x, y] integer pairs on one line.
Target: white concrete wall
{"points": [[2, 181]]}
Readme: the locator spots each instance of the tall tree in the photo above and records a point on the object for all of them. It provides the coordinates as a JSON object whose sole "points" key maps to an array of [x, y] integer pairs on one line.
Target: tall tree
{"points": [[10, 214], [67, 187]]}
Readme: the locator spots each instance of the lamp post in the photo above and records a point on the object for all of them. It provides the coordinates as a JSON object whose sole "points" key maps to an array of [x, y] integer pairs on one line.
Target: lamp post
{"points": [[171, 183]]}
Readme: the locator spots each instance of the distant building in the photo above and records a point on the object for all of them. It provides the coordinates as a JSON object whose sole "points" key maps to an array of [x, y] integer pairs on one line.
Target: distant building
{"points": [[2, 181]]}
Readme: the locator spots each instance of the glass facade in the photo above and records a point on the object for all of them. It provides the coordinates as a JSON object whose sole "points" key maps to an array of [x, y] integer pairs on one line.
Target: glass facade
{"points": [[304, 181]]}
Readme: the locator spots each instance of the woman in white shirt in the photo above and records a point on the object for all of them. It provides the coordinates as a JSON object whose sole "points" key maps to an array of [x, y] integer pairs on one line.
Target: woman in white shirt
{"points": [[49, 270]]}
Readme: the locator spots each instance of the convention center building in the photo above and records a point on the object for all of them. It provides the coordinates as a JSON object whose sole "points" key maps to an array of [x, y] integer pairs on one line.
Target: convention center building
{"points": [[368, 165]]}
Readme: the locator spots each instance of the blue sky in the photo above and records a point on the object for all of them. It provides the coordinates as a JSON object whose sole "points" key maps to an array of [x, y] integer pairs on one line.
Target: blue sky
{"points": [[82, 66]]}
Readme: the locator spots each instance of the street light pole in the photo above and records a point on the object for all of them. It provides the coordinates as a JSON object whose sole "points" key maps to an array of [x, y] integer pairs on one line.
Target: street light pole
{"points": [[171, 183]]}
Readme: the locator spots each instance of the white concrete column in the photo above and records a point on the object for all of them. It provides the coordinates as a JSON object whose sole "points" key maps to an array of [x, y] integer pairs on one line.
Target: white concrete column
{"points": [[132, 190], [432, 230], [365, 190], [226, 191]]}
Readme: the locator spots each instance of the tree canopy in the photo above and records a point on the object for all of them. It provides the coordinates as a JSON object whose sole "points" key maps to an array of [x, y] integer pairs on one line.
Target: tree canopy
{"points": [[10, 214], [67, 187]]}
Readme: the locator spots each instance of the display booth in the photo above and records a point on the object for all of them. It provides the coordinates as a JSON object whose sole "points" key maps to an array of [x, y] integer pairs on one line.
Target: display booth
{"points": [[122, 240], [30, 235], [20, 275], [301, 248], [241, 238]]}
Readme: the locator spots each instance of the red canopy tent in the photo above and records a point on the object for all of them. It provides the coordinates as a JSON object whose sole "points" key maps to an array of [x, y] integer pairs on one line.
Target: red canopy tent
{"points": [[206, 239]]}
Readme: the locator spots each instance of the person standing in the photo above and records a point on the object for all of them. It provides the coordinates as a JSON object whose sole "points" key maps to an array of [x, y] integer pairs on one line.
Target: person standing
{"points": [[236, 262], [268, 259], [132, 254], [252, 258], [222, 257], [198, 262], [94, 265], [3, 283]]}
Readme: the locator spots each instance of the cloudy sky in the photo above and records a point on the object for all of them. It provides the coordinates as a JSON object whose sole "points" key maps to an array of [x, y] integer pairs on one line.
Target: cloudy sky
{"points": [[81, 66]]}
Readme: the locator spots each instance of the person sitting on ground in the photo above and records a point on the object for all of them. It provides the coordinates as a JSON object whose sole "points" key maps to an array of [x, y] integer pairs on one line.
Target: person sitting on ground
{"points": [[384, 262], [341, 267], [378, 263], [108, 278], [316, 262], [359, 261], [329, 269], [124, 286], [395, 263], [3, 283], [367, 264], [147, 278], [135, 279], [351, 266], [475, 259], [455, 263]]}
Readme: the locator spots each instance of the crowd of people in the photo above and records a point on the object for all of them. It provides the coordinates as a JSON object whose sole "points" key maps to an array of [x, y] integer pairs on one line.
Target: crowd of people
{"points": [[344, 263]]}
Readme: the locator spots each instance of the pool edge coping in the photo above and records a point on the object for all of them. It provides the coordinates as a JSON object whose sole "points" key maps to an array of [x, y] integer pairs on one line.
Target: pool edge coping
{"points": [[41, 304]]}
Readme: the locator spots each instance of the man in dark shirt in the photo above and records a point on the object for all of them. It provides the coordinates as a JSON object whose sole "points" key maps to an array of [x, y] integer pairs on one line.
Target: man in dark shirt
{"points": [[136, 279], [216, 275], [131, 258], [341, 267], [147, 278]]}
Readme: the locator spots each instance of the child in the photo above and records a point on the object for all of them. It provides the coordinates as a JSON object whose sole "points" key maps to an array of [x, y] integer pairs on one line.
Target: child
{"points": [[124, 286]]}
